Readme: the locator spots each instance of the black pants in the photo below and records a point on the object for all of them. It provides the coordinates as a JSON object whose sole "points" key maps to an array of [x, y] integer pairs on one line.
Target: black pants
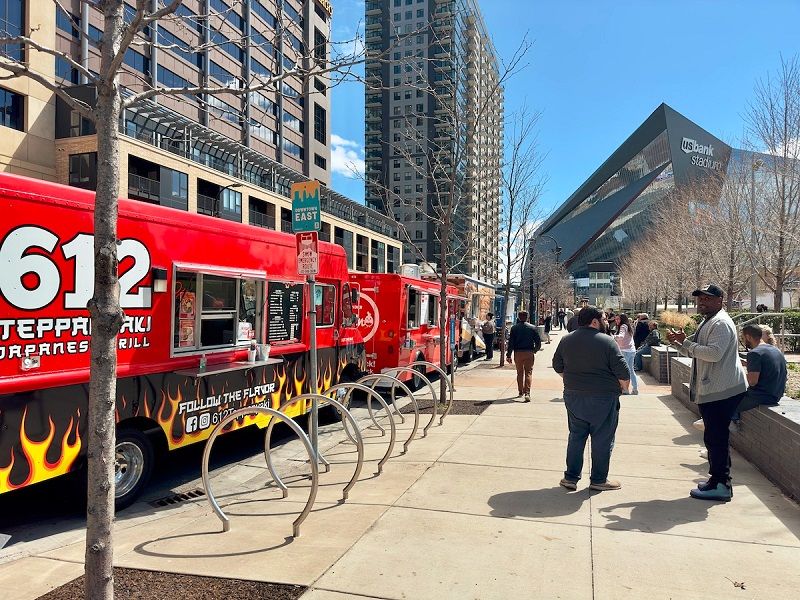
{"points": [[488, 338], [717, 418]]}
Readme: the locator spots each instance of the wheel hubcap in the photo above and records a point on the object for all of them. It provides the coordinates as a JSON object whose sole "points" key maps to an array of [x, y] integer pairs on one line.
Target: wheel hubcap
{"points": [[128, 467]]}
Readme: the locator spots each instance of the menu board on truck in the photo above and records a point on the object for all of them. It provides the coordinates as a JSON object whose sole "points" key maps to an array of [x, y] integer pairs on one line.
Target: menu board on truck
{"points": [[284, 311]]}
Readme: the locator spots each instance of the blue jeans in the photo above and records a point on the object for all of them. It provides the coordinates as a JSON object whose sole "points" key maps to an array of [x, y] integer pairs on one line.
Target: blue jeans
{"points": [[629, 356], [596, 416], [637, 360]]}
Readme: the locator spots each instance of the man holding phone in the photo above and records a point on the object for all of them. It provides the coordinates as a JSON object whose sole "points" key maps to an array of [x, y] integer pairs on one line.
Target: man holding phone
{"points": [[717, 385]]}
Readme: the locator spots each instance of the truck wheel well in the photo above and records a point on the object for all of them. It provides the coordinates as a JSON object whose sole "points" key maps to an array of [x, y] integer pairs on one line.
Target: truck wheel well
{"points": [[149, 428]]}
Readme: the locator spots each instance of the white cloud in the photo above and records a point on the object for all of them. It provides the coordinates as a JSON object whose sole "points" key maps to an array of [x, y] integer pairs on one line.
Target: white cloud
{"points": [[347, 157]]}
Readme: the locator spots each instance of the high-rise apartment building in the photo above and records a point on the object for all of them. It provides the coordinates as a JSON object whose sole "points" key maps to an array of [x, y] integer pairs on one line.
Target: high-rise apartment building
{"points": [[232, 156], [434, 103]]}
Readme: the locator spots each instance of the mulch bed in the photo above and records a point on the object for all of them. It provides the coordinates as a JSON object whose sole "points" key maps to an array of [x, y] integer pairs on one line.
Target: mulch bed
{"points": [[460, 407], [135, 584]]}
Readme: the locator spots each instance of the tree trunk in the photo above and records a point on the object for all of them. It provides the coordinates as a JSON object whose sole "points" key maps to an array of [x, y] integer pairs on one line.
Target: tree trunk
{"points": [[106, 315], [443, 271]]}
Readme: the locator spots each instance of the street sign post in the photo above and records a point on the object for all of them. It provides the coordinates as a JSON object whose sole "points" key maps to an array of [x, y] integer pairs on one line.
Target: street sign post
{"points": [[306, 222], [305, 206], [307, 253]]}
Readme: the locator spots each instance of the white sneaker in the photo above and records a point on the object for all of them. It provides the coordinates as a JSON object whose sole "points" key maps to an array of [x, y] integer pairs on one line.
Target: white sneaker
{"points": [[699, 425], [704, 454]]}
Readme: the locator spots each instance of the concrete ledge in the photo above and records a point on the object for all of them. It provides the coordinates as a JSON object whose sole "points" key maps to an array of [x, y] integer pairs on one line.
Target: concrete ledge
{"points": [[657, 366], [768, 437]]}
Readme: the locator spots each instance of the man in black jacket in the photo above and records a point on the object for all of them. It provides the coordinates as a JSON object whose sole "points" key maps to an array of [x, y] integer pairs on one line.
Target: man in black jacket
{"points": [[524, 342], [595, 374]]}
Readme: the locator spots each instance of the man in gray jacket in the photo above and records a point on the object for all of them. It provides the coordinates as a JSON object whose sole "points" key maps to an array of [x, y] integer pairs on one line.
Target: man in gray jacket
{"points": [[717, 385]]}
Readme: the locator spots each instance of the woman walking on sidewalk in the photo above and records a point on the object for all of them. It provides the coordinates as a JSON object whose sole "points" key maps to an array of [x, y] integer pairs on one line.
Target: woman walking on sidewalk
{"points": [[624, 339]]}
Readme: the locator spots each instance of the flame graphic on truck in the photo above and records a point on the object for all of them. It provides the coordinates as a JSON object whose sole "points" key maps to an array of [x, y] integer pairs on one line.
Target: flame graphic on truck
{"points": [[35, 453]]}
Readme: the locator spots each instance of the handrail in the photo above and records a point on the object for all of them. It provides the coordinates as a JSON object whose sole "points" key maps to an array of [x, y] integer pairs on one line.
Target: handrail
{"points": [[261, 410], [377, 377], [345, 414], [371, 392]]}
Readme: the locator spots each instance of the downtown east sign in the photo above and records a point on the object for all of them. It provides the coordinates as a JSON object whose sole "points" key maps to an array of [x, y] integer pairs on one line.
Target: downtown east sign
{"points": [[305, 206]]}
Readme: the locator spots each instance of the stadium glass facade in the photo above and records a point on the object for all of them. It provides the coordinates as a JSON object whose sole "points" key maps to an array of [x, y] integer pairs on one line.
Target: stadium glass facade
{"points": [[613, 207]]}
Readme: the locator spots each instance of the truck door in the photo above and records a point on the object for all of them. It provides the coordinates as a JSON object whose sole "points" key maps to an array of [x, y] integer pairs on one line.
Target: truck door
{"points": [[366, 309]]}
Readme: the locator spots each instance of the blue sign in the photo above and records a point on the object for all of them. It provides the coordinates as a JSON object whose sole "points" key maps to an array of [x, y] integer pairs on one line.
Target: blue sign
{"points": [[305, 206], [452, 332]]}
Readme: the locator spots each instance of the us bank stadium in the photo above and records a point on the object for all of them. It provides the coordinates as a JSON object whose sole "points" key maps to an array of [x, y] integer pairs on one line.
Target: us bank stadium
{"points": [[597, 224]]}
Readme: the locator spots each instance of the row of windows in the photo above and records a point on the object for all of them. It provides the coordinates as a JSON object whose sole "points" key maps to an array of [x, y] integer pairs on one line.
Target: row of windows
{"points": [[409, 14], [408, 2]]}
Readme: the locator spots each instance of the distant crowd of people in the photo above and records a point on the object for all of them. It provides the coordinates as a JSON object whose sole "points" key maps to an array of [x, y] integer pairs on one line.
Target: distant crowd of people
{"points": [[598, 360]]}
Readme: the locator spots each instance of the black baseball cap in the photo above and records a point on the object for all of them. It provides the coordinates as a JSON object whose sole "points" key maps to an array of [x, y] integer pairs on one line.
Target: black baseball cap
{"points": [[709, 290]]}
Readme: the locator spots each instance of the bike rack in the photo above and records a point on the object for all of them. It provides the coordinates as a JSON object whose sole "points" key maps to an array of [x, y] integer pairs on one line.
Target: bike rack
{"points": [[379, 376], [371, 392], [445, 377], [345, 414], [426, 381], [261, 410]]}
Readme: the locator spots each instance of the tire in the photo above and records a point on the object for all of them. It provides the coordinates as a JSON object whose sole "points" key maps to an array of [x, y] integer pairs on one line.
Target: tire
{"points": [[133, 465]]}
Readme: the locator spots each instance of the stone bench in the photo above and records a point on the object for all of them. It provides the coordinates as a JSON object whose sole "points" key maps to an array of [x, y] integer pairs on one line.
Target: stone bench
{"points": [[768, 436]]}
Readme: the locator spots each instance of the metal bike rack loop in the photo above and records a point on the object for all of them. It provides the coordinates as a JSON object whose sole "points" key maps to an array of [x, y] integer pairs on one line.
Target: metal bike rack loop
{"points": [[371, 392], [379, 376], [443, 375], [426, 381], [345, 415], [260, 410]]}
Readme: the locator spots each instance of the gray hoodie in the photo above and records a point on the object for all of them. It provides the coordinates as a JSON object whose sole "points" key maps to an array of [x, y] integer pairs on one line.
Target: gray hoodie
{"points": [[716, 371]]}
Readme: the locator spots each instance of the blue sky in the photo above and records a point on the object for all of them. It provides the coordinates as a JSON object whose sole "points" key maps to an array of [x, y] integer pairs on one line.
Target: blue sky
{"points": [[597, 69]]}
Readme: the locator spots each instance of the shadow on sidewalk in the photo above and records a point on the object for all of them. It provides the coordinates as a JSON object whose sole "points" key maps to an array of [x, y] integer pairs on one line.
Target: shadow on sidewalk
{"points": [[654, 516], [536, 504]]}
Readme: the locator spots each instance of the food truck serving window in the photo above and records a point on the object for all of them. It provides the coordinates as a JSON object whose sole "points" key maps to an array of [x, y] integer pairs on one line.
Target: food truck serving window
{"points": [[216, 311], [413, 308], [433, 310], [325, 304]]}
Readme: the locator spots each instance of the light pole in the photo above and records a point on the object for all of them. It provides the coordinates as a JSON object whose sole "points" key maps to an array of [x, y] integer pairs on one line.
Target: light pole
{"points": [[534, 300], [755, 166]]}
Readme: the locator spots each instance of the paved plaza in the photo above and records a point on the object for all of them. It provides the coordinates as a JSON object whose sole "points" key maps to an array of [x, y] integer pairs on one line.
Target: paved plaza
{"points": [[473, 511]]}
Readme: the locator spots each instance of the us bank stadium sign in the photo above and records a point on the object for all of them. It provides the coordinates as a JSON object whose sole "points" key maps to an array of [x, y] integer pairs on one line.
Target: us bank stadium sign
{"points": [[702, 156]]}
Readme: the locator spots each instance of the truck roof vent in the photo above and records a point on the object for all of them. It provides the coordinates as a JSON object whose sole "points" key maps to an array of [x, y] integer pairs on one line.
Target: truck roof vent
{"points": [[409, 270]]}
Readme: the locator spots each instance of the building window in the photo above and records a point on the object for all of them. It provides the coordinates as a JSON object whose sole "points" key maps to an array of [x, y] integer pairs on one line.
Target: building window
{"points": [[262, 213], [286, 220], [293, 149], [174, 189], [325, 232], [320, 125], [12, 24], [83, 170], [137, 61], [320, 47], [65, 71], [320, 162], [12, 110], [320, 86]]}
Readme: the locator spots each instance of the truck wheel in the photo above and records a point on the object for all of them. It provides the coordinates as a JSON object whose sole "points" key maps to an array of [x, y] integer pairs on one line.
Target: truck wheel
{"points": [[133, 466]]}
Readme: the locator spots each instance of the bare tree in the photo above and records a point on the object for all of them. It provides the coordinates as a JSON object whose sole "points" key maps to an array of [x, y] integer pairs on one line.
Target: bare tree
{"points": [[773, 120], [519, 210], [455, 181], [117, 38]]}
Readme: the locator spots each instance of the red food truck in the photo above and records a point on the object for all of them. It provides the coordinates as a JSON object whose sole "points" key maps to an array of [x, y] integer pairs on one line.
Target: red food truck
{"points": [[198, 293], [398, 318]]}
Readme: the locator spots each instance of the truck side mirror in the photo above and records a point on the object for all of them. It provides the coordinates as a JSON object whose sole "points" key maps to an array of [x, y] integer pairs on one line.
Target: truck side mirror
{"points": [[354, 296]]}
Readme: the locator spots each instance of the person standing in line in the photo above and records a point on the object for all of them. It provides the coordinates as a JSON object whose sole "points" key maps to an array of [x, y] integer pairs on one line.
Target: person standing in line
{"points": [[641, 331], [548, 322], [624, 339], [717, 385], [488, 329], [561, 316], [524, 342], [594, 373]]}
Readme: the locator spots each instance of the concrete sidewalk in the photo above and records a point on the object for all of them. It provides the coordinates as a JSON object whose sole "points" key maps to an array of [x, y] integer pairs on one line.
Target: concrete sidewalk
{"points": [[475, 511]]}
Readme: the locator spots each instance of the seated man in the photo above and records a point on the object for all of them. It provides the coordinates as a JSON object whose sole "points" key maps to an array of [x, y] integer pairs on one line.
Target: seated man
{"points": [[766, 372], [653, 339]]}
